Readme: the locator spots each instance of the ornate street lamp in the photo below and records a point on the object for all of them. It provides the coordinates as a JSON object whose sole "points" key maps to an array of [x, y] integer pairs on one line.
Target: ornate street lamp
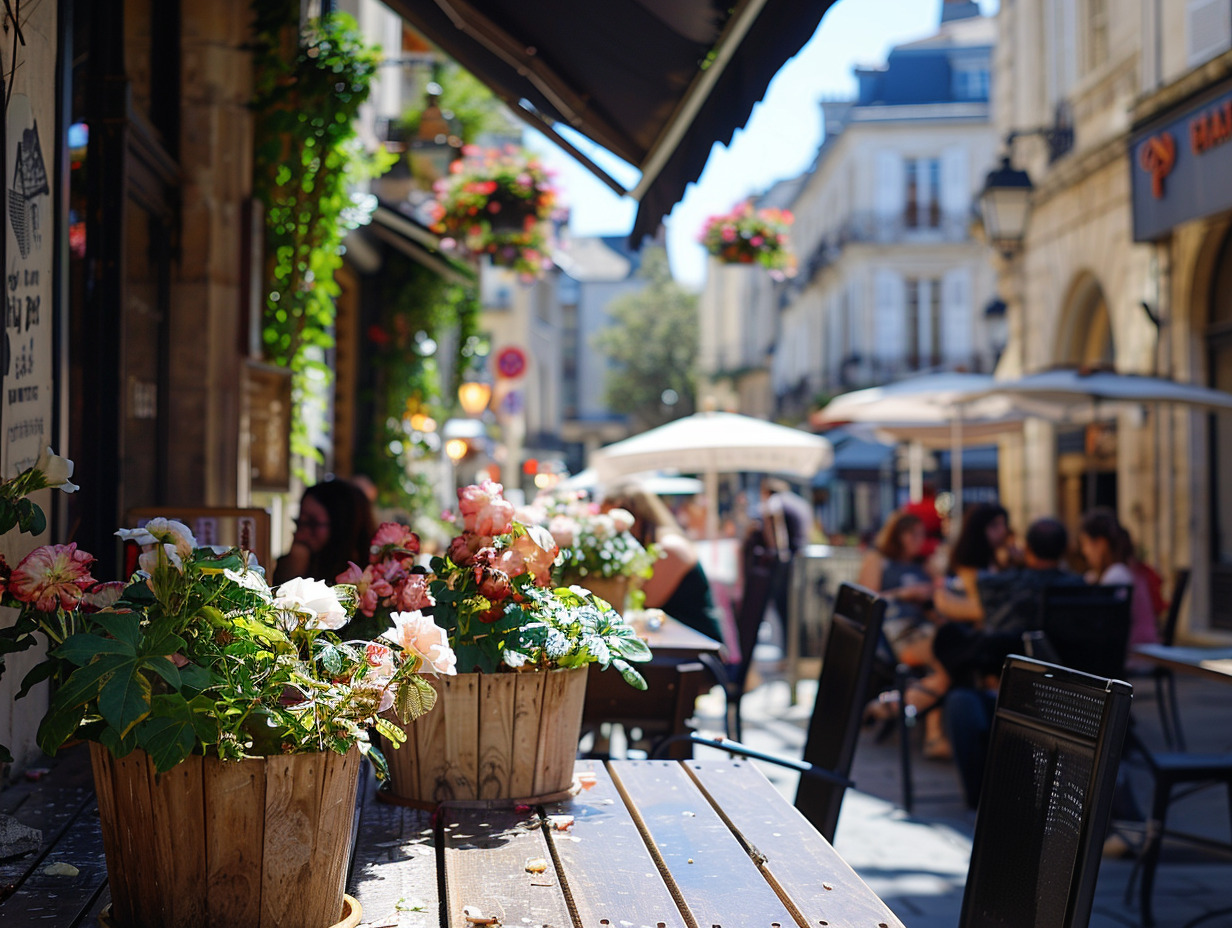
{"points": [[474, 396], [1005, 204]]}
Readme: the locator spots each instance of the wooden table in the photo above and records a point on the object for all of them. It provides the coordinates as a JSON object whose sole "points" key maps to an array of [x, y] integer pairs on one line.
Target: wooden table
{"points": [[652, 843], [1211, 663], [675, 678]]}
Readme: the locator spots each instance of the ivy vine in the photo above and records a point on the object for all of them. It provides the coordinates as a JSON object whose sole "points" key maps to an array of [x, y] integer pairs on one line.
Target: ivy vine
{"points": [[309, 86]]}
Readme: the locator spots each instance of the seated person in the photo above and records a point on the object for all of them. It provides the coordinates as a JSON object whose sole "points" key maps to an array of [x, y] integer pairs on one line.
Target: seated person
{"points": [[973, 657]]}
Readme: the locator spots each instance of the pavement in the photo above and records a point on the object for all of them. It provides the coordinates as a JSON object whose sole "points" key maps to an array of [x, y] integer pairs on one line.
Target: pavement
{"points": [[918, 862]]}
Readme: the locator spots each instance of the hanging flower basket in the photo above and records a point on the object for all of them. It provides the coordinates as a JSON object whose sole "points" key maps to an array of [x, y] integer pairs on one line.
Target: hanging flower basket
{"points": [[749, 236], [497, 203]]}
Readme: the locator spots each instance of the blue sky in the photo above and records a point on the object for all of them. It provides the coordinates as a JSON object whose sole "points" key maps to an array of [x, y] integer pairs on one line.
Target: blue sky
{"points": [[779, 140]]}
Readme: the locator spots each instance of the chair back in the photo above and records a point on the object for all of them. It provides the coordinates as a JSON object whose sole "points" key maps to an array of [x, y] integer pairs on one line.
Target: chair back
{"points": [[1167, 634], [1046, 799], [1088, 626], [835, 724]]}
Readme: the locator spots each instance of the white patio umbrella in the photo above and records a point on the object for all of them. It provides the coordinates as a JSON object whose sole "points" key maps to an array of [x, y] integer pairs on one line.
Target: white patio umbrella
{"points": [[949, 409], [660, 484], [713, 443]]}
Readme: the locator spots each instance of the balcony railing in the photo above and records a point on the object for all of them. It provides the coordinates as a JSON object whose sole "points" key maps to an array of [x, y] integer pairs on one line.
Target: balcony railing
{"points": [[918, 225]]}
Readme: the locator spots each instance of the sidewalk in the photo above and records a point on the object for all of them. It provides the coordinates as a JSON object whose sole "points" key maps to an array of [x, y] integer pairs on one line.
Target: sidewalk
{"points": [[918, 863]]}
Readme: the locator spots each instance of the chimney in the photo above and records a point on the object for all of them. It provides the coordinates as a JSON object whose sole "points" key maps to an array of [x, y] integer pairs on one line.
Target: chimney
{"points": [[958, 9]]}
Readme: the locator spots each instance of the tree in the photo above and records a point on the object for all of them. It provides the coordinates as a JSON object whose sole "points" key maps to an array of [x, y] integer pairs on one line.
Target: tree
{"points": [[653, 344]]}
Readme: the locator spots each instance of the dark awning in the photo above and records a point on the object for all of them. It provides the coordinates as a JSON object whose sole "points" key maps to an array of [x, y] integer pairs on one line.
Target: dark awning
{"points": [[655, 82]]}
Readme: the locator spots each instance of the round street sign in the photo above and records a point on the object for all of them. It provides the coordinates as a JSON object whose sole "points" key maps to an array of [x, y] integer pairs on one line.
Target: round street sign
{"points": [[510, 362]]}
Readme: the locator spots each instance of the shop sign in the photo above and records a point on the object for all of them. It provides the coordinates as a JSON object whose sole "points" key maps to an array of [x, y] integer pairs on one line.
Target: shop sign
{"points": [[1181, 166], [27, 367]]}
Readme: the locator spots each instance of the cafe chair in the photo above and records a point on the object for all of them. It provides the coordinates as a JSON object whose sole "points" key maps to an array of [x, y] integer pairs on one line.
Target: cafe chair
{"points": [[1088, 626], [1165, 683], [1053, 752], [834, 726], [1171, 770]]}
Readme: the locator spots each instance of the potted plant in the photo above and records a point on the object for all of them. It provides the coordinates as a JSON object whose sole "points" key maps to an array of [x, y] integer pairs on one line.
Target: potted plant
{"points": [[597, 549], [751, 236], [507, 725], [226, 722], [496, 202]]}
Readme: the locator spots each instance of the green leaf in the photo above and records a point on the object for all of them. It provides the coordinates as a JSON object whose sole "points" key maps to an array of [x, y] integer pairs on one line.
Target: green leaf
{"points": [[194, 679], [58, 726], [414, 697], [125, 699], [391, 731], [166, 643], [7, 758], [83, 647], [631, 676], [167, 740], [124, 626], [38, 673], [165, 669], [117, 745], [632, 649]]}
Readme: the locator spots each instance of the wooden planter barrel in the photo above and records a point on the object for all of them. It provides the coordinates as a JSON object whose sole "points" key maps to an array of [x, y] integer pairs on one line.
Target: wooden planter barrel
{"points": [[614, 589], [495, 738], [257, 843]]}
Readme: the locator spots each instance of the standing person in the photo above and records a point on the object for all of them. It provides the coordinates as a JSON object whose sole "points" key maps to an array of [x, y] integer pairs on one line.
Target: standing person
{"points": [[786, 523], [1106, 547], [678, 585], [335, 525]]}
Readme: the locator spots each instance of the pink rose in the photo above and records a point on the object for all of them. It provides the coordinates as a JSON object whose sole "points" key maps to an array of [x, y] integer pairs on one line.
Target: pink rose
{"points": [[474, 497], [393, 540], [496, 518], [493, 583], [563, 529], [413, 594], [416, 633]]}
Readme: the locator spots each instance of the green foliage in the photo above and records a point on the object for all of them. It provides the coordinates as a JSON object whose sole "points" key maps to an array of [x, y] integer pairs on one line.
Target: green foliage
{"points": [[308, 90], [467, 103], [653, 340], [418, 309]]}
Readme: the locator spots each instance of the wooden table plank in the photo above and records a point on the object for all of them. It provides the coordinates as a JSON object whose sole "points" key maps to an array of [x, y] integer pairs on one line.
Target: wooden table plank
{"points": [[794, 857], [62, 900], [393, 873], [604, 860], [714, 876], [485, 857]]}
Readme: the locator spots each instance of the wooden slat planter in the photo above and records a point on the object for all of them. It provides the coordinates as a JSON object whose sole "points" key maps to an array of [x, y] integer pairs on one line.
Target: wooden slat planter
{"points": [[492, 738], [258, 843]]}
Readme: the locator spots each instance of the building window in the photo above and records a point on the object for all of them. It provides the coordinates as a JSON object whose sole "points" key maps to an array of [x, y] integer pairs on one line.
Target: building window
{"points": [[971, 84], [923, 209], [923, 322], [1097, 34]]}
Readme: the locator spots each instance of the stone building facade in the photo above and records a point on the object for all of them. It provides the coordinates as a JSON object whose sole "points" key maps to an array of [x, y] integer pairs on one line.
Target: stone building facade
{"points": [[1117, 269]]}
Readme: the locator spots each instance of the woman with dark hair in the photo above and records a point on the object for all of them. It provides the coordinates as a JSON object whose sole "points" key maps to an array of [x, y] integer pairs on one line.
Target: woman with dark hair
{"points": [[1107, 548], [983, 544], [335, 525]]}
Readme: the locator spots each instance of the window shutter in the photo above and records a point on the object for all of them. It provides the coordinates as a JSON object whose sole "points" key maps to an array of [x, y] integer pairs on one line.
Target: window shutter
{"points": [[889, 189], [955, 182], [957, 343], [1208, 29], [888, 337]]}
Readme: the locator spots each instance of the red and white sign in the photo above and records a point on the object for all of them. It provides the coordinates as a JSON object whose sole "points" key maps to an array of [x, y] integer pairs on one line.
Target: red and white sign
{"points": [[510, 363]]}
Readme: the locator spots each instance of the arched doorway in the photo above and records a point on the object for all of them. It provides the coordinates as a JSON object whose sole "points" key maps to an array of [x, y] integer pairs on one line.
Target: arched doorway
{"points": [[1086, 455], [1218, 343]]}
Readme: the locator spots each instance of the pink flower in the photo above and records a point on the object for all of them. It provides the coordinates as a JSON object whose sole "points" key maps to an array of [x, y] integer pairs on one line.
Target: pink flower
{"points": [[381, 659], [474, 497], [622, 519], [563, 530], [484, 510], [532, 553], [101, 596], [416, 633], [463, 547], [52, 576], [493, 583], [413, 594], [395, 541]]}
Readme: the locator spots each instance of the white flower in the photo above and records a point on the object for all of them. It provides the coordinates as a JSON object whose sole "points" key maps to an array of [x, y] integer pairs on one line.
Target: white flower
{"points": [[56, 471], [416, 633], [162, 531], [250, 579], [149, 558], [621, 518], [314, 599]]}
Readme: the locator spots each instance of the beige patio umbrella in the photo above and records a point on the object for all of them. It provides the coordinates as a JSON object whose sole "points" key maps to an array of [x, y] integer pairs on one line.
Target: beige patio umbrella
{"points": [[712, 443]]}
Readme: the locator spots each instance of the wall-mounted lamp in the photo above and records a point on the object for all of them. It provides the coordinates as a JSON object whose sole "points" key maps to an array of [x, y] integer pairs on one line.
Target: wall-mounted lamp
{"points": [[1005, 204], [474, 395]]}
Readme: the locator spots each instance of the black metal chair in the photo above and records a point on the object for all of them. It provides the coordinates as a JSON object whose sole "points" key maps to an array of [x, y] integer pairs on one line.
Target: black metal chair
{"points": [[1088, 626], [834, 727], [1165, 682], [1053, 752]]}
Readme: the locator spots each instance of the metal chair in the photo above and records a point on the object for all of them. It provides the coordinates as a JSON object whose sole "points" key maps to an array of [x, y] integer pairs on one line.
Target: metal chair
{"points": [[1053, 752], [1165, 682], [834, 727], [1088, 626]]}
